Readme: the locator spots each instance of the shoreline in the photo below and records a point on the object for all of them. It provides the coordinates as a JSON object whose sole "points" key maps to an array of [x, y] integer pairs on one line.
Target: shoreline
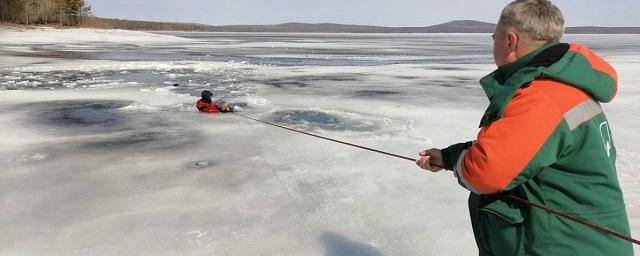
{"points": [[19, 27], [152, 26]]}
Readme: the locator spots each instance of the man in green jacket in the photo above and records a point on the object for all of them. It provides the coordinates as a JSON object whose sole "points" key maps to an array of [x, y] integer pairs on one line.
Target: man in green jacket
{"points": [[544, 137]]}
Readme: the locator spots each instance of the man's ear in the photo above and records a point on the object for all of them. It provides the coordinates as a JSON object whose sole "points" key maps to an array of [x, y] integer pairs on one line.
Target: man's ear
{"points": [[513, 41]]}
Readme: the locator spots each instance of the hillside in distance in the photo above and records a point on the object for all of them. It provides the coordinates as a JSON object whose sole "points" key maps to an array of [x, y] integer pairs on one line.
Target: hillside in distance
{"points": [[456, 26], [461, 26]]}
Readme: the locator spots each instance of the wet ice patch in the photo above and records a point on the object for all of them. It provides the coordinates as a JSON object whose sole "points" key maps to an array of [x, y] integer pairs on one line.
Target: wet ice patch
{"points": [[202, 164], [296, 117], [126, 140], [448, 82], [55, 79], [61, 54], [446, 68], [336, 245], [309, 80], [143, 76], [21, 160], [312, 119], [80, 116], [100, 125], [150, 140], [374, 93]]}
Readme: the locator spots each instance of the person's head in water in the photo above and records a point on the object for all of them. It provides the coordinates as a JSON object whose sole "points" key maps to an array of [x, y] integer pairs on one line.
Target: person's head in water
{"points": [[206, 96]]}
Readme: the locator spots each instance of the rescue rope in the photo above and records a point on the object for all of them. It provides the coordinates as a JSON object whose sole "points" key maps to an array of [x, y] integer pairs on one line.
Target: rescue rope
{"points": [[511, 197], [574, 219], [325, 138]]}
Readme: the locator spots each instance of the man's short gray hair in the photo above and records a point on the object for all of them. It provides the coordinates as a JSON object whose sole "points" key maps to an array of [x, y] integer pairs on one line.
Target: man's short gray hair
{"points": [[539, 19]]}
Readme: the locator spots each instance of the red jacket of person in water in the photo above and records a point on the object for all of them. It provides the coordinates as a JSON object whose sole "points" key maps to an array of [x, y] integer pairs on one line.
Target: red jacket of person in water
{"points": [[207, 107]]}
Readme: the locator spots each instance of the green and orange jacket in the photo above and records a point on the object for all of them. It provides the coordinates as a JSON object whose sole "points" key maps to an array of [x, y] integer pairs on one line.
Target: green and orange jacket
{"points": [[545, 137]]}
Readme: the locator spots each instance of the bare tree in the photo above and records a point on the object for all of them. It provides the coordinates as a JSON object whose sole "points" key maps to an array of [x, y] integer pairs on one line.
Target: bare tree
{"points": [[41, 11], [3, 10]]}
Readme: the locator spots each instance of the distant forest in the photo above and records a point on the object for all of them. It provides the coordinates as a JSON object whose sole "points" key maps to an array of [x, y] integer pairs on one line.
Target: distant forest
{"points": [[27, 12], [75, 13]]}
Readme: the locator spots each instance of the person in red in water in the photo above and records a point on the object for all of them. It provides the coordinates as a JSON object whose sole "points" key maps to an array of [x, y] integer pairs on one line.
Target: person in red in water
{"points": [[206, 105]]}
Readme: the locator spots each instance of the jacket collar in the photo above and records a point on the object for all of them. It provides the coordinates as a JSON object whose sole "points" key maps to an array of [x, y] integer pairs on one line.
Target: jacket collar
{"points": [[503, 73], [502, 84]]}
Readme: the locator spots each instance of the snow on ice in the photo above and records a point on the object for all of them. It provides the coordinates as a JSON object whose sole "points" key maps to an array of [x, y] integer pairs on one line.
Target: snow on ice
{"points": [[114, 160]]}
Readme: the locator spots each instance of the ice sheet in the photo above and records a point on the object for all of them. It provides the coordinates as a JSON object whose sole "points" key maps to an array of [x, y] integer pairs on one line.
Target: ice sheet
{"points": [[115, 160]]}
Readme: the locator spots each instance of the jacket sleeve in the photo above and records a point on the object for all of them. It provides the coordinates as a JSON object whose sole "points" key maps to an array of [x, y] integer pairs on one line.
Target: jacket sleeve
{"points": [[451, 154], [200, 105], [510, 151]]}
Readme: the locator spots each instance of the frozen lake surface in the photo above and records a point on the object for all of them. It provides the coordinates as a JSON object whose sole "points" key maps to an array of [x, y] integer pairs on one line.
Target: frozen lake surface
{"points": [[102, 155]]}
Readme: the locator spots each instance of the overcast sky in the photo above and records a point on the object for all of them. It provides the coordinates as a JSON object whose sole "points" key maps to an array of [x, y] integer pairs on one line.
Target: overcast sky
{"points": [[363, 12]]}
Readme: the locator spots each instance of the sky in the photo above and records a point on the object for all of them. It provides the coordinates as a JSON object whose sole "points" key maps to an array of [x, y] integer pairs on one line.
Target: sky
{"points": [[361, 12]]}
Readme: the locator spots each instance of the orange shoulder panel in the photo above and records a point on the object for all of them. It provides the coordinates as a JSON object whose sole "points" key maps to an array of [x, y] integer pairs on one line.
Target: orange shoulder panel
{"points": [[563, 96], [504, 148]]}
